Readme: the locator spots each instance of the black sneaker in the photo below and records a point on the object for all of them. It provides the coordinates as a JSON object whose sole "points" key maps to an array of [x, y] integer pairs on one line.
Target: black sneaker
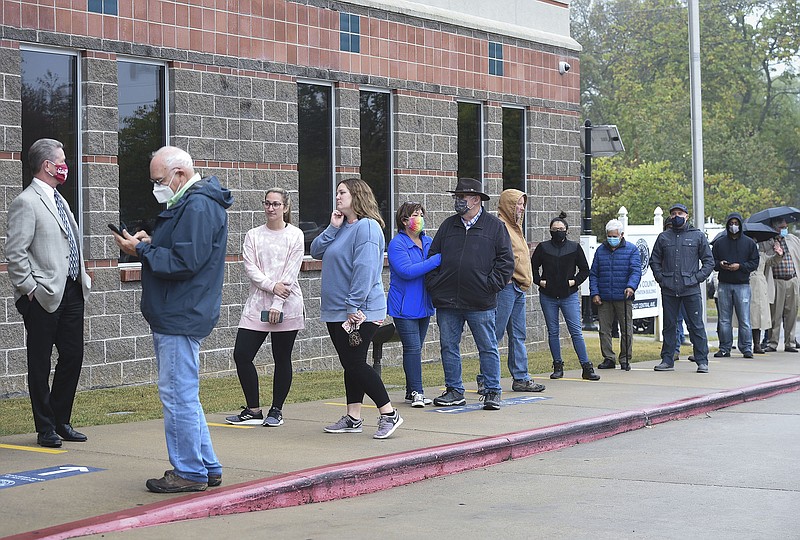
{"points": [[450, 398], [607, 364], [491, 401], [246, 418]]}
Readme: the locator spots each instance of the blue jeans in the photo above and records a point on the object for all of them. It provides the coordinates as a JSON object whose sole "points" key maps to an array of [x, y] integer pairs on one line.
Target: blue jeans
{"points": [[511, 319], [412, 334], [482, 324], [571, 310], [185, 428], [693, 305], [730, 297]]}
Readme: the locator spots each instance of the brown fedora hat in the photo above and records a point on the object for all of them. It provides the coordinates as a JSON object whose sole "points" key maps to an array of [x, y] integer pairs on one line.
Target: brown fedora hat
{"points": [[470, 186]]}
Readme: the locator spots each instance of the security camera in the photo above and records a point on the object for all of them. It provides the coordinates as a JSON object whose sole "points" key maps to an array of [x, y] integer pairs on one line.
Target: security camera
{"points": [[563, 67]]}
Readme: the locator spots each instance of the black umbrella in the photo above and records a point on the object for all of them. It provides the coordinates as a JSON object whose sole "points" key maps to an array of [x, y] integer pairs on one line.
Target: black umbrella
{"points": [[789, 213], [758, 231]]}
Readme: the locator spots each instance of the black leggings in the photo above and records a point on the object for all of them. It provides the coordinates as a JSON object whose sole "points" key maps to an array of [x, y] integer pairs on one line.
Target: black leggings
{"points": [[248, 342], [359, 377]]}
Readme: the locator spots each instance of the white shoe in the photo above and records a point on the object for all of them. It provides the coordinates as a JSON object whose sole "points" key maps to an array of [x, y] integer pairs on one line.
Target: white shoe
{"points": [[419, 400]]}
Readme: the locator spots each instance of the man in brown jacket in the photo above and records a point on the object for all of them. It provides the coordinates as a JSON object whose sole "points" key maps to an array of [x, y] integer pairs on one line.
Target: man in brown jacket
{"points": [[511, 300]]}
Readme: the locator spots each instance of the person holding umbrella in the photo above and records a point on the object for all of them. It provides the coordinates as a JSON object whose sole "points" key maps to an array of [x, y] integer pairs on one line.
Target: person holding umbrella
{"points": [[783, 259], [762, 289], [613, 278], [735, 256]]}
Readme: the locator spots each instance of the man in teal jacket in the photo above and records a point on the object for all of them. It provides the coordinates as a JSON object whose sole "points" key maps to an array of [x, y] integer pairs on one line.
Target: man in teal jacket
{"points": [[183, 268]]}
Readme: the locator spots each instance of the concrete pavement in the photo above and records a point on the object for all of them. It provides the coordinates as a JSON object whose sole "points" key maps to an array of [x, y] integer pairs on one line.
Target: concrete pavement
{"points": [[298, 463]]}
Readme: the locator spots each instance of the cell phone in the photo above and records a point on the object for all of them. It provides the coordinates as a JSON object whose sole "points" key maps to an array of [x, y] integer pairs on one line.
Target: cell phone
{"points": [[117, 230], [265, 316]]}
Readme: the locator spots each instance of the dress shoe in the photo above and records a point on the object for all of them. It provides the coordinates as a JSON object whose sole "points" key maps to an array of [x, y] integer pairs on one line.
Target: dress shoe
{"points": [[49, 439], [607, 364], [722, 354], [66, 432], [624, 366], [757, 349], [790, 349]]}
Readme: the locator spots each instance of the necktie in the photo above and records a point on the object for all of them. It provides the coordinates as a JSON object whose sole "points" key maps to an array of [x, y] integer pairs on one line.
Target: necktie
{"points": [[73, 246]]}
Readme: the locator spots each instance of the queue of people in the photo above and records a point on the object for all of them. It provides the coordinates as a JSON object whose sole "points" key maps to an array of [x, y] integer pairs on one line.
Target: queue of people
{"points": [[475, 271]]}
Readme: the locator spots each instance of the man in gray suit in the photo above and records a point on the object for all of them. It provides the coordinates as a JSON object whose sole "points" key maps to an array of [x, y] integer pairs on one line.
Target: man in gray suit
{"points": [[50, 288]]}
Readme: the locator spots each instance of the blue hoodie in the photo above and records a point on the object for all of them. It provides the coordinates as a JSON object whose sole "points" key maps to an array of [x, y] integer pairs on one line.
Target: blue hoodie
{"points": [[183, 266]]}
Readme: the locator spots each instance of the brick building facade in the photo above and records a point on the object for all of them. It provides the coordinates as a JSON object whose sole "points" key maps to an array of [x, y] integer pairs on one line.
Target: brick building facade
{"points": [[241, 85]]}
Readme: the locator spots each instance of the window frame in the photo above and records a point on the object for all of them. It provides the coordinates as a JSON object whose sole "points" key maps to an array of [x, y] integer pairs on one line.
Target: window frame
{"points": [[332, 87], [481, 136], [166, 94], [388, 228], [77, 169], [523, 142]]}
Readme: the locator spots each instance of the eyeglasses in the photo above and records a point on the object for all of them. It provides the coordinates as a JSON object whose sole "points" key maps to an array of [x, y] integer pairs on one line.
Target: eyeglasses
{"points": [[273, 204], [159, 180]]}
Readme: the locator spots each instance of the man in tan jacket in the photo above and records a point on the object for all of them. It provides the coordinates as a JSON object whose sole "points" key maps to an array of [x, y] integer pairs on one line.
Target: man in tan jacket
{"points": [[783, 260], [511, 300]]}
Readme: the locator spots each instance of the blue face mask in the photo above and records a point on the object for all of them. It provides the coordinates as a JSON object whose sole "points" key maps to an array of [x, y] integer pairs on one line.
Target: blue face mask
{"points": [[613, 241], [784, 233]]}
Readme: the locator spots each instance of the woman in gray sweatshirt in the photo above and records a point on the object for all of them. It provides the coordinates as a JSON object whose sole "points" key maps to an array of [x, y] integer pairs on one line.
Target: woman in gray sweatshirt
{"points": [[353, 304]]}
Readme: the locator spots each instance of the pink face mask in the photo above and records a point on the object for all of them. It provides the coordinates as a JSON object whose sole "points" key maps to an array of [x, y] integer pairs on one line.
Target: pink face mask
{"points": [[416, 224], [61, 173]]}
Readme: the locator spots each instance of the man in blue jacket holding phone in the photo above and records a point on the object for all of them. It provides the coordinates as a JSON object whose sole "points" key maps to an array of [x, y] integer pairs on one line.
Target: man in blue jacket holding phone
{"points": [[183, 268]]}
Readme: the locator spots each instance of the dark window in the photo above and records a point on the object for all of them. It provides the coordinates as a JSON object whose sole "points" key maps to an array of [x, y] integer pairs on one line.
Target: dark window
{"points": [[349, 32], [513, 148], [105, 7], [469, 141], [315, 158], [49, 110], [376, 151], [142, 131], [495, 58]]}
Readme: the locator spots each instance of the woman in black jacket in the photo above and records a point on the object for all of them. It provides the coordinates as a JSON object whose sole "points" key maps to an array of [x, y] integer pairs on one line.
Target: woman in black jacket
{"points": [[559, 267]]}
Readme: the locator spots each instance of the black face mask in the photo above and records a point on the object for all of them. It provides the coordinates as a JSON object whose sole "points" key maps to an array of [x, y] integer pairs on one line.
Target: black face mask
{"points": [[678, 222], [558, 236]]}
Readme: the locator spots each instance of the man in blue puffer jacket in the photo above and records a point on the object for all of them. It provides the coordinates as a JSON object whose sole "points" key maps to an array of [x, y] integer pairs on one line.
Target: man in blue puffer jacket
{"points": [[613, 279]]}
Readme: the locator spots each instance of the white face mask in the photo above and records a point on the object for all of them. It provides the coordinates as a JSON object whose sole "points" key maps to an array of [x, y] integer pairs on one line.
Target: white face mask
{"points": [[162, 193]]}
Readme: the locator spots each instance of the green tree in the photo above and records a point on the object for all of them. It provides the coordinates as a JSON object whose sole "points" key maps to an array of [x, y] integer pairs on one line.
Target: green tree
{"points": [[635, 74]]}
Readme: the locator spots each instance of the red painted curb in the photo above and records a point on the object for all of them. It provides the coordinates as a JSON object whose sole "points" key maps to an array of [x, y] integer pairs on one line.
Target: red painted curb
{"points": [[348, 479]]}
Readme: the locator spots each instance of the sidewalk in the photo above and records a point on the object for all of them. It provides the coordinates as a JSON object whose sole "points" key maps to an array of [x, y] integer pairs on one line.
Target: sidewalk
{"points": [[298, 463]]}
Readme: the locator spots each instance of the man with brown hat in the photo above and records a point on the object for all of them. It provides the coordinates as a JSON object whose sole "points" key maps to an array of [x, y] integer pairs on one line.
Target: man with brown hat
{"points": [[477, 263]]}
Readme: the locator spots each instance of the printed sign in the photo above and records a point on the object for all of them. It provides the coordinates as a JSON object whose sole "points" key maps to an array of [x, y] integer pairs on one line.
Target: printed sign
{"points": [[522, 400], [42, 475]]}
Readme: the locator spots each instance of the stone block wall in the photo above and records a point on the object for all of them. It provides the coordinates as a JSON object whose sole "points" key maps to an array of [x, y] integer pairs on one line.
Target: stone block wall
{"points": [[234, 108]]}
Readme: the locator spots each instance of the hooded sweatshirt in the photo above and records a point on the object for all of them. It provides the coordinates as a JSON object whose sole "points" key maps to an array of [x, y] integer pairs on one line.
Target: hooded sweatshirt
{"points": [[735, 248], [506, 211], [183, 266]]}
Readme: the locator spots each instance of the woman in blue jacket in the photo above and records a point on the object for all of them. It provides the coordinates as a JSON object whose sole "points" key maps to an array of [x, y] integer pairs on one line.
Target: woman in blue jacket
{"points": [[409, 303]]}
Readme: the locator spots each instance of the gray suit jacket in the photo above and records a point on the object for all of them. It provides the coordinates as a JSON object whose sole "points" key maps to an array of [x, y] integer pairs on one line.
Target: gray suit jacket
{"points": [[37, 248]]}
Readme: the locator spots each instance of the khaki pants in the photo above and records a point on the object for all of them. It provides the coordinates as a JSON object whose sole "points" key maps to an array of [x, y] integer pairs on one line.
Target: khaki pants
{"points": [[784, 310], [606, 312]]}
